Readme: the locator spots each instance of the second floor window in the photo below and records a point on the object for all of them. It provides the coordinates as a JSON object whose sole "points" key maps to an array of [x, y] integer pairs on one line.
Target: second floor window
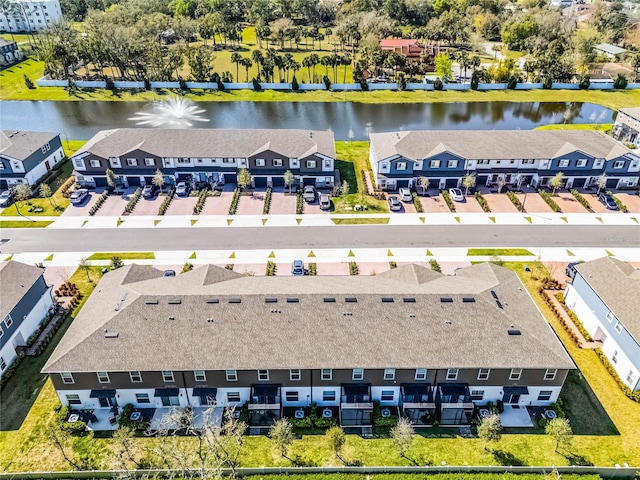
{"points": [[311, 164], [483, 373], [167, 376], [550, 374], [67, 378], [326, 374], [277, 162], [103, 377], [232, 375], [515, 374], [294, 374], [452, 374], [421, 374], [200, 376], [563, 163], [389, 373], [95, 163], [619, 164], [149, 161], [263, 375], [136, 377], [401, 165], [435, 164], [452, 163], [132, 161], [259, 162], [358, 374]]}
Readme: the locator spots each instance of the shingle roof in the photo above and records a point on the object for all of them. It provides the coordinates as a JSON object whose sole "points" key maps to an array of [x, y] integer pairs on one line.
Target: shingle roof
{"points": [[216, 143], [498, 144], [155, 332], [617, 284], [15, 280], [20, 145], [633, 112]]}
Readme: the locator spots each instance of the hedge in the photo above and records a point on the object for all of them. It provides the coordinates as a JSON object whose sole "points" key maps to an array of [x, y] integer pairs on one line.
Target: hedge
{"points": [[267, 201], [483, 202], [417, 203], [560, 318], [581, 200], [299, 204], [447, 199], [167, 201], [574, 318], [132, 201], [353, 268], [271, 269], [550, 201], [313, 269], [202, 198], [632, 394], [435, 266], [101, 199], [515, 200], [233, 208]]}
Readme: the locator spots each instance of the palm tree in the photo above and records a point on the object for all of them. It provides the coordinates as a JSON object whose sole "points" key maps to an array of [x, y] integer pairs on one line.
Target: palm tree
{"points": [[258, 59], [306, 62], [236, 58], [314, 58], [246, 63], [325, 61], [346, 61]]}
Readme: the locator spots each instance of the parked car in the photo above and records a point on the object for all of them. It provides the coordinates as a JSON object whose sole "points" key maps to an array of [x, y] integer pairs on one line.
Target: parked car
{"points": [[169, 273], [456, 195], [394, 204], [183, 189], [297, 268], [149, 191], [6, 198], [78, 196], [325, 203], [608, 201], [405, 195], [309, 194]]}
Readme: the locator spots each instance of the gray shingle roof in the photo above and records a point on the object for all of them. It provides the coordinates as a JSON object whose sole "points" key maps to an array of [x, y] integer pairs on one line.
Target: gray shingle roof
{"points": [[209, 143], [20, 145], [617, 284], [633, 112], [15, 280], [495, 144], [310, 333]]}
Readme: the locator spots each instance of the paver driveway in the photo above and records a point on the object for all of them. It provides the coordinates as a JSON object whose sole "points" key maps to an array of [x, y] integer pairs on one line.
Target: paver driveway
{"points": [[83, 208], [148, 206], [499, 203], [569, 204], [632, 201], [282, 204], [251, 204], [112, 207], [182, 205], [434, 203], [534, 203], [219, 205], [596, 205], [470, 205]]}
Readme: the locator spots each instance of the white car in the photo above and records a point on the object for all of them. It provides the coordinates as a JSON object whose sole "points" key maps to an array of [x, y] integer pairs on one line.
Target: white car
{"points": [[78, 196], [456, 194], [405, 195]]}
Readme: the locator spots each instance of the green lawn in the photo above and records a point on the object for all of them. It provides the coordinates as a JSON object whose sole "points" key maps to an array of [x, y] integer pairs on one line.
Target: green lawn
{"points": [[23, 224], [498, 251], [123, 256], [359, 221], [599, 127]]}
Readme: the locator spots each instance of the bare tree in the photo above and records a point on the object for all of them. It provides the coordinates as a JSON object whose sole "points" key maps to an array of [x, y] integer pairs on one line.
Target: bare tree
{"points": [[345, 189], [288, 179], [125, 448], [557, 181], [423, 182], [85, 266], [111, 178], [402, 438], [601, 182], [60, 438], [21, 193], [560, 430], [469, 181], [46, 192], [158, 179], [281, 433]]}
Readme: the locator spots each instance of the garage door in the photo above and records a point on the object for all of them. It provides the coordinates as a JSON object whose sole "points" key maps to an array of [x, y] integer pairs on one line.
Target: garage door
{"points": [[451, 183], [527, 180], [612, 182], [185, 177], [482, 180], [260, 181], [403, 183], [134, 181], [3, 184], [278, 181], [231, 178], [579, 182], [100, 181], [309, 181]]}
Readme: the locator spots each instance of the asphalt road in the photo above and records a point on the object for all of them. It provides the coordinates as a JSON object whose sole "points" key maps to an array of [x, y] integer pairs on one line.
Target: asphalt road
{"points": [[364, 236]]}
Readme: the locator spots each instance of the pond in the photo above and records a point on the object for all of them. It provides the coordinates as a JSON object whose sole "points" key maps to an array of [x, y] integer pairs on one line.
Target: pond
{"points": [[81, 120]]}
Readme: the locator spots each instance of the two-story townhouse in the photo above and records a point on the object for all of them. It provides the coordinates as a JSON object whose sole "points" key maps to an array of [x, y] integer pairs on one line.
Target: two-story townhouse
{"points": [[627, 126], [207, 155], [603, 294], [25, 299], [9, 52], [27, 156], [29, 15], [429, 346], [517, 158]]}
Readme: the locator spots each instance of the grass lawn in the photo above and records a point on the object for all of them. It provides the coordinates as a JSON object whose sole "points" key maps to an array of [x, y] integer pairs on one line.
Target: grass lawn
{"points": [[24, 224], [598, 127], [123, 256], [360, 221], [498, 251]]}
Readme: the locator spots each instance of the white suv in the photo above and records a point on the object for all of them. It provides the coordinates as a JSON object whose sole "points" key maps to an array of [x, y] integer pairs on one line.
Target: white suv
{"points": [[405, 195]]}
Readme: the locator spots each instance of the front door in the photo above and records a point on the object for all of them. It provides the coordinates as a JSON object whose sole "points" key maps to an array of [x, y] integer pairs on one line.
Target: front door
{"points": [[514, 398], [47, 166], [107, 402]]}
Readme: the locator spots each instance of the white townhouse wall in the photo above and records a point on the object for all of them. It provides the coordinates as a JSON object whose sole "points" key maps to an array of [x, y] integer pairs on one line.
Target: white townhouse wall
{"points": [[538, 395], [604, 297], [29, 15]]}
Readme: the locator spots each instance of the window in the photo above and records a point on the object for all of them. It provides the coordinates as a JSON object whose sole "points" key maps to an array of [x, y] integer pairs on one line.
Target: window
{"points": [[311, 164], [95, 163], [477, 395], [227, 160], [401, 165], [167, 376], [149, 161], [544, 395], [614, 357], [136, 377], [610, 316], [233, 397], [232, 375], [629, 378], [263, 375], [46, 147], [184, 160], [67, 378], [103, 377], [358, 374], [452, 163], [434, 164], [550, 374], [483, 162], [618, 164], [329, 396], [618, 327], [259, 162], [327, 164], [389, 373], [563, 163], [114, 161], [277, 162], [291, 396], [326, 374], [1, 332], [132, 161], [295, 375], [3, 364], [387, 396], [515, 374], [200, 375], [581, 163], [527, 162], [73, 399], [8, 321], [1, 166], [142, 398], [421, 374], [452, 374], [483, 373]]}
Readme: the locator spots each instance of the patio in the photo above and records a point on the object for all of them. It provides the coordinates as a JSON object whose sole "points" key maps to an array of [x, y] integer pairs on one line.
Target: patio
{"points": [[515, 416], [99, 419]]}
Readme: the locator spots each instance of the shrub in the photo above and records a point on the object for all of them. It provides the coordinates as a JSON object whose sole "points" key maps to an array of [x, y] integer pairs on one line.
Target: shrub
{"points": [[66, 187], [632, 394], [364, 86], [417, 203], [621, 206], [438, 85], [379, 420], [483, 202], [256, 85], [547, 83], [448, 201], [29, 83], [327, 82], [585, 83], [167, 201], [313, 269], [353, 268], [147, 84], [271, 269], [187, 267], [233, 208], [402, 83], [77, 427], [392, 265], [435, 266], [101, 199], [202, 198], [124, 419], [512, 82], [620, 82], [267, 201], [515, 200], [299, 204], [583, 201], [109, 85], [221, 86], [183, 85], [550, 201], [294, 84], [131, 204], [475, 81]]}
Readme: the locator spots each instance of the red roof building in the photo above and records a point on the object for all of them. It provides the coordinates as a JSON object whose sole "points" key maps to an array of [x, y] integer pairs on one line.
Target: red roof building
{"points": [[408, 47]]}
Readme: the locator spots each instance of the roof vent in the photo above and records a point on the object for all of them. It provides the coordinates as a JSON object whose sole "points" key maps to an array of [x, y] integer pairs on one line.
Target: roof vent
{"points": [[110, 334], [448, 322], [387, 300], [293, 300], [329, 300], [213, 300], [171, 317], [235, 300], [348, 314], [175, 301], [468, 300], [409, 300], [412, 315], [152, 302], [210, 320], [351, 300], [276, 311], [514, 332], [270, 300], [446, 300]]}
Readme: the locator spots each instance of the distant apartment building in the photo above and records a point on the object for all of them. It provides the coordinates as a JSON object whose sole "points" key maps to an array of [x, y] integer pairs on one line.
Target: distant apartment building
{"points": [[29, 15], [9, 52], [627, 126]]}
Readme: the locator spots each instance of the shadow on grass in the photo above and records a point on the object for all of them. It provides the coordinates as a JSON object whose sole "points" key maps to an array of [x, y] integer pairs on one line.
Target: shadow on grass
{"points": [[298, 461], [506, 458], [583, 409], [348, 173], [578, 460]]}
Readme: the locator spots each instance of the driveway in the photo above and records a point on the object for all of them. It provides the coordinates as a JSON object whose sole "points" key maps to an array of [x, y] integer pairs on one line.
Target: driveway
{"points": [[407, 207], [219, 205], [434, 203], [569, 204], [148, 206], [596, 205], [113, 206], [632, 201], [253, 204], [83, 208], [470, 205], [498, 202], [282, 204], [534, 203], [182, 205], [341, 268]]}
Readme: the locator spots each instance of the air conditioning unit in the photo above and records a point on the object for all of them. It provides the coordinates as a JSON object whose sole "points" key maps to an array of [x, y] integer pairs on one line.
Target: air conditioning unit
{"points": [[327, 413], [550, 414], [299, 413], [385, 413], [236, 413]]}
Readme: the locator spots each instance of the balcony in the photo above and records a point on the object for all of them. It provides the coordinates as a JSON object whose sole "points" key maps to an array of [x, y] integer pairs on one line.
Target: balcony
{"points": [[356, 396], [454, 395], [265, 397], [418, 404]]}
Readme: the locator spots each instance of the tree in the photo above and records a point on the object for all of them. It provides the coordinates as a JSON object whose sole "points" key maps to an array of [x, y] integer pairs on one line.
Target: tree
{"points": [[490, 430], [288, 179], [469, 181], [237, 59], [423, 183], [336, 438], [116, 262], [557, 181], [244, 178], [281, 433], [601, 182], [345, 188], [443, 66], [402, 437], [560, 430], [85, 266], [21, 193], [158, 179], [60, 438], [111, 178], [46, 192]]}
